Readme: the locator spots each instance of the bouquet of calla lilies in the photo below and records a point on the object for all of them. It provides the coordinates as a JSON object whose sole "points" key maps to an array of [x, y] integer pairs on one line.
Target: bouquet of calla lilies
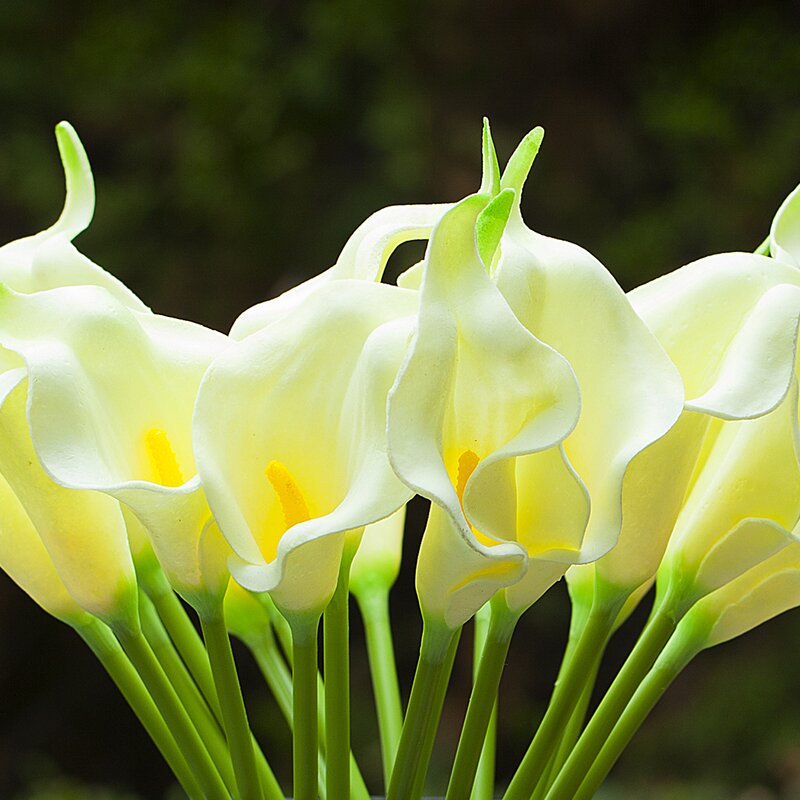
{"points": [[151, 468]]}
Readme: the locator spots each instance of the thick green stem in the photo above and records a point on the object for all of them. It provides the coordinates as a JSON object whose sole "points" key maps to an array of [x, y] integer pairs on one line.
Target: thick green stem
{"points": [[188, 643], [304, 707], [655, 635], [571, 734], [566, 694], [186, 689], [422, 717], [174, 714], [336, 657], [374, 607], [438, 704], [108, 651], [481, 702], [483, 788], [234, 714], [675, 656], [279, 679]]}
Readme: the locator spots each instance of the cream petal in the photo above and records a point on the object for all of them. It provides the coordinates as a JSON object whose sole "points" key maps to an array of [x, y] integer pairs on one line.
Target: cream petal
{"points": [[48, 259], [755, 597], [746, 490], [630, 392], [698, 311], [784, 235], [26, 561], [83, 531], [456, 578]]}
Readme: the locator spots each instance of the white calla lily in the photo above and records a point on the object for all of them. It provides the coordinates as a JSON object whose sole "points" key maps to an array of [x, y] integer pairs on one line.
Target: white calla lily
{"points": [[112, 392], [290, 437], [631, 394], [477, 395], [49, 259]]}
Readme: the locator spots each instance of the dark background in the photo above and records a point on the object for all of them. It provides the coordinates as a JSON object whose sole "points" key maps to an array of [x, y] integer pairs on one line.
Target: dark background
{"points": [[236, 145]]}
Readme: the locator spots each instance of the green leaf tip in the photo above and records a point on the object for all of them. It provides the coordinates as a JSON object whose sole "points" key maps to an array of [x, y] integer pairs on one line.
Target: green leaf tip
{"points": [[491, 224], [79, 203], [521, 161], [490, 182]]}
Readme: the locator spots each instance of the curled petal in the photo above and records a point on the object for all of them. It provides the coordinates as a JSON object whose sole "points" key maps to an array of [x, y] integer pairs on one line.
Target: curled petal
{"points": [[784, 235]]}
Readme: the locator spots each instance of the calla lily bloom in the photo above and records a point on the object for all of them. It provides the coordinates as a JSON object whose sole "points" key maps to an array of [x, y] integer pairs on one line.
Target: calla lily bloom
{"points": [[49, 259], [377, 560], [730, 324], [476, 394], [289, 435], [630, 392], [59, 541], [112, 392]]}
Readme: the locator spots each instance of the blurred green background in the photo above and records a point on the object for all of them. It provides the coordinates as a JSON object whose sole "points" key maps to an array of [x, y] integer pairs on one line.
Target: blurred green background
{"points": [[236, 145]]}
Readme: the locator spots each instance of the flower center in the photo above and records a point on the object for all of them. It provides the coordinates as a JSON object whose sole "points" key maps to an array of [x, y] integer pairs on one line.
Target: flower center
{"points": [[467, 462], [293, 504], [162, 458]]}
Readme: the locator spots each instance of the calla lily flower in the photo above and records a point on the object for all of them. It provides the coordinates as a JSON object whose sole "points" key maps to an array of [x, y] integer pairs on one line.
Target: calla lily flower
{"points": [[67, 549], [631, 394], [730, 324], [111, 397], [289, 435], [478, 400], [49, 259], [784, 234]]}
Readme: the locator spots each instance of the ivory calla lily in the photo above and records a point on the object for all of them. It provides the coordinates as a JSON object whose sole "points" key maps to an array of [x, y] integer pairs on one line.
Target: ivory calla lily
{"points": [[478, 398], [730, 324], [58, 540], [631, 394], [112, 392], [290, 437], [49, 259]]}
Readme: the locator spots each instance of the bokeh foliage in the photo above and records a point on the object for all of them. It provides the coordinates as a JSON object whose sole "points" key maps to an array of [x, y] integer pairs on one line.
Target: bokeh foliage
{"points": [[236, 145]]}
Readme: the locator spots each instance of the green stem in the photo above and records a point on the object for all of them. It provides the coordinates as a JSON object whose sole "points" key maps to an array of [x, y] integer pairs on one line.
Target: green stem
{"points": [[279, 679], [566, 694], [438, 704], [483, 788], [304, 706], [482, 701], [234, 714], [678, 652], [422, 716], [188, 643], [197, 757], [108, 651], [336, 657], [186, 690], [571, 734], [763, 248], [374, 607], [656, 633]]}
